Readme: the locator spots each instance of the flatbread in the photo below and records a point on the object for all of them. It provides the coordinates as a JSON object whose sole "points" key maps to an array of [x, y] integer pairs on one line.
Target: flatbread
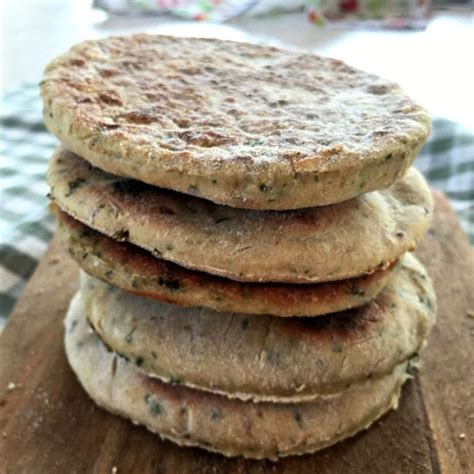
{"points": [[137, 271], [242, 125], [327, 243], [213, 422], [263, 357]]}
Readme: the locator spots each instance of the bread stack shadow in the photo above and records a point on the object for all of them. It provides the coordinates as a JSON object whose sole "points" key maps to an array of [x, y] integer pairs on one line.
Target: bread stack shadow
{"points": [[247, 284]]}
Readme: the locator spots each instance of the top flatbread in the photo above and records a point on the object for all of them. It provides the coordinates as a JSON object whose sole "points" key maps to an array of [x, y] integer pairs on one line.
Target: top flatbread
{"points": [[243, 125], [312, 245]]}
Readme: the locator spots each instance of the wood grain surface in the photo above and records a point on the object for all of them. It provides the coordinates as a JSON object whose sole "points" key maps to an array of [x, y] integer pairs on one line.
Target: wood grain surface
{"points": [[49, 425]]}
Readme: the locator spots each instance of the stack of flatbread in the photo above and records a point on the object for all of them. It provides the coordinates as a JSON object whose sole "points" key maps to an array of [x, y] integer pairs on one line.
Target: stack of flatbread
{"points": [[243, 217]]}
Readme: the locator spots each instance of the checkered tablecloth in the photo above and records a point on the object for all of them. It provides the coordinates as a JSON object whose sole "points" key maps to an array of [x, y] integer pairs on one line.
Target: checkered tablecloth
{"points": [[447, 160]]}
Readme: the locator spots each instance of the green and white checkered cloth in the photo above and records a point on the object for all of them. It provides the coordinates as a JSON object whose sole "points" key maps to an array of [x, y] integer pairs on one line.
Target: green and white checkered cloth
{"points": [[447, 160]]}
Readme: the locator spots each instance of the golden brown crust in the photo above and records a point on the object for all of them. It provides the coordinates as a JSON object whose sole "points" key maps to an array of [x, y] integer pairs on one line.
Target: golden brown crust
{"points": [[137, 271], [263, 357], [232, 427], [313, 245], [243, 125]]}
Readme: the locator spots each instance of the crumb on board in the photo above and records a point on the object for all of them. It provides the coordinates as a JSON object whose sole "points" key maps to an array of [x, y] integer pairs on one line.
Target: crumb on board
{"points": [[462, 436], [114, 470], [4, 434], [11, 386], [470, 313]]}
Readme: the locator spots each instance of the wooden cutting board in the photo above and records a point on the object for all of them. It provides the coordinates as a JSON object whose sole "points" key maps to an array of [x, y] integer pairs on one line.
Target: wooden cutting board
{"points": [[49, 425]]}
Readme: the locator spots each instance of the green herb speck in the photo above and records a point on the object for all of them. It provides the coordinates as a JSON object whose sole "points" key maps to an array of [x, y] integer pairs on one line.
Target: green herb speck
{"points": [[254, 142], [154, 408], [73, 326], [73, 185], [86, 232], [354, 290], [121, 235], [411, 367], [273, 357], [172, 284], [298, 417], [337, 346], [129, 336]]}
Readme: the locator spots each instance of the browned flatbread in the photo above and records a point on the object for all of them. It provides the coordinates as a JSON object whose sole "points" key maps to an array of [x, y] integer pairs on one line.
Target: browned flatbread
{"points": [[329, 243], [263, 357], [137, 271], [216, 423], [243, 125]]}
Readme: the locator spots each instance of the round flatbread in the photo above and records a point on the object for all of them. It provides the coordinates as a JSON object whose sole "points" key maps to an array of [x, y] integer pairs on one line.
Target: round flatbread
{"points": [[243, 125], [327, 243], [216, 423], [263, 357], [137, 271]]}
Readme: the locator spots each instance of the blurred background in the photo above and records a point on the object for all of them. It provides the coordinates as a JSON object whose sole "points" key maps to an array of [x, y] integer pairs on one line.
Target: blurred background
{"points": [[424, 45]]}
